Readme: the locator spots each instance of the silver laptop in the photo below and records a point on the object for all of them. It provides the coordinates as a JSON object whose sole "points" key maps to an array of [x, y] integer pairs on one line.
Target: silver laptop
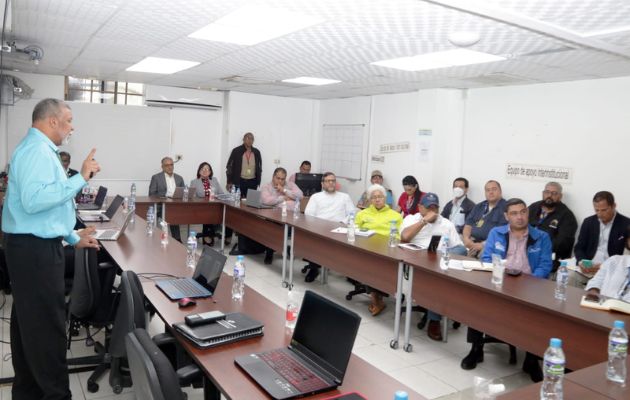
{"points": [[113, 233], [254, 199], [178, 193], [99, 215]]}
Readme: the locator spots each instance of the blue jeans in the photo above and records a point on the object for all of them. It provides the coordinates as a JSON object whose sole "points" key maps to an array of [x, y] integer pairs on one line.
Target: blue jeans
{"points": [[459, 250]]}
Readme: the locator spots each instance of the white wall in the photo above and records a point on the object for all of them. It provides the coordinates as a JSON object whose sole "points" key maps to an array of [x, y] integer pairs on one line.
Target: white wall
{"points": [[583, 125], [283, 129]]}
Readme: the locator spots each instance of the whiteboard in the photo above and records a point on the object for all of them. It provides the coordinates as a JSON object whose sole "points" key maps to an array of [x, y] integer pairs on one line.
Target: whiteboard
{"points": [[130, 141], [342, 150]]}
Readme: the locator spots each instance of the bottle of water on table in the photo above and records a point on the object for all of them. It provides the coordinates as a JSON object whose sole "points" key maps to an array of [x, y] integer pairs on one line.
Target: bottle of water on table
{"points": [[393, 234], [150, 220], [186, 192], [445, 256], [238, 279], [562, 278], [617, 353], [553, 370], [351, 228], [132, 202], [191, 250]]}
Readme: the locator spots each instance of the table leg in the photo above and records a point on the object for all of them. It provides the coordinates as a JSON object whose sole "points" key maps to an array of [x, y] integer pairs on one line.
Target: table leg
{"points": [[210, 392], [291, 258], [223, 231], [394, 343], [285, 239], [408, 346]]}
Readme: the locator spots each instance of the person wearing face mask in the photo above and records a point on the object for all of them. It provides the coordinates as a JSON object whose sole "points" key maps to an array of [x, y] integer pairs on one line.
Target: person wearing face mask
{"points": [[551, 215], [457, 209]]}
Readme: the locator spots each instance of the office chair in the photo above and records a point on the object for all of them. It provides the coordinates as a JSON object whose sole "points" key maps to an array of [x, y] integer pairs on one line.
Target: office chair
{"points": [[152, 373], [92, 303]]}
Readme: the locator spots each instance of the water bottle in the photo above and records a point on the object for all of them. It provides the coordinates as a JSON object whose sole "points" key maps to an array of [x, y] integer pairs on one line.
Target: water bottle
{"points": [[164, 233], [393, 234], [293, 308], [237, 199], [191, 250], [553, 369], [296, 208], [238, 282], [186, 192], [233, 194], [210, 194], [150, 220], [445, 256], [284, 208], [617, 352], [132, 202], [351, 228], [401, 395], [562, 278]]}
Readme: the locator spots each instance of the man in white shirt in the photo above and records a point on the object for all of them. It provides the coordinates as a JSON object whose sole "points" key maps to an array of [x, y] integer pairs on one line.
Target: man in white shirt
{"points": [[613, 278], [163, 184], [328, 204], [418, 229]]}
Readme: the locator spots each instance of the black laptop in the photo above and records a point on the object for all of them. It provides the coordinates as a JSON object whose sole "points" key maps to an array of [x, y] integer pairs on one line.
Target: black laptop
{"points": [[318, 356], [100, 216], [204, 281], [98, 200]]}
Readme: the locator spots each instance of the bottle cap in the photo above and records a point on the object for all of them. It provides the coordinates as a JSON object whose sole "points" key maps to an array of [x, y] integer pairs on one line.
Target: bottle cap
{"points": [[564, 263], [555, 342], [619, 324], [240, 258], [192, 233], [401, 395]]}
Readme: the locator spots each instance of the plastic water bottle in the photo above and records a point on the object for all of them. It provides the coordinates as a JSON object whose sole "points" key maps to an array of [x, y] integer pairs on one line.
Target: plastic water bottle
{"points": [[617, 352], [233, 194], [445, 255], [296, 208], [284, 208], [210, 194], [393, 234], [237, 198], [562, 278], [351, 228], [401, 395], [238, 282], [164, 233], [186, 192], [553, 369], [293, 308], [191, 250], [150, 220], [132, 202]]}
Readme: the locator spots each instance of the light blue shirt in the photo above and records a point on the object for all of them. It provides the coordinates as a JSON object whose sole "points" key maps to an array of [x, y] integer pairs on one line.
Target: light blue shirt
{"points": [[39, 199]]}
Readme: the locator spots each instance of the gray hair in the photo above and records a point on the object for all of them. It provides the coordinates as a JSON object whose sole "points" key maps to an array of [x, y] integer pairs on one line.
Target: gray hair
{"points": [[164, 159], [375, 188], [48, 108], [556, 185]]}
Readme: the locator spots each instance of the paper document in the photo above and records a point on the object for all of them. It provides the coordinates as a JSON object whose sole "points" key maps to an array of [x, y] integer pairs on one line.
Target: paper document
{"points": [[357, 232], [475, 265]]}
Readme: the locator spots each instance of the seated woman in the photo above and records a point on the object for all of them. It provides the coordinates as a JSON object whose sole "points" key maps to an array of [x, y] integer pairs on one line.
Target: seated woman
{"points": [[613, 277], [377, 217], [202, 187], [410, 198]]}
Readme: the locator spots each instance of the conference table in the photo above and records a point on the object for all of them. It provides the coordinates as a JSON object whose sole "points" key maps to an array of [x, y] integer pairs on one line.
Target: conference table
{"points": [[147, 257]]}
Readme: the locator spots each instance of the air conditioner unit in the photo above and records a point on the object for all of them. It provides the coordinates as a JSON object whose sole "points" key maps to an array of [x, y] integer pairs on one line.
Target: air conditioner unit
{"points": [[164, 96]]}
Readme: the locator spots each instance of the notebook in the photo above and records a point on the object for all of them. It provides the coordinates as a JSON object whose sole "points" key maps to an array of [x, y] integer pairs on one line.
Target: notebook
{"points": [[318, 356], [204, 281], [234, 327], [254, 200], [98, 200], [113, 233], [99, 216]]}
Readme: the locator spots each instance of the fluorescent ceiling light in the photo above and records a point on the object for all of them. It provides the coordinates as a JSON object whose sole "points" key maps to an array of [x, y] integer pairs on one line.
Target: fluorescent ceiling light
{"points": [[157, 65], [306, 80], [440, 59], [250, 25], [605, 32]]}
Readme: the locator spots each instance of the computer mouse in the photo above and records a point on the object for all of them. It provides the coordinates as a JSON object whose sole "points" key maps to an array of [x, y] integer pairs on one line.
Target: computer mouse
{"points": [[186, 302]]}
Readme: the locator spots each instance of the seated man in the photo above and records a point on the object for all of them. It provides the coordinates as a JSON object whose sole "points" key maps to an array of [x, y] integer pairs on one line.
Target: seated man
{"points": [[277, 192], [552, 216], [483, 217], [602, 235], [418, 229], [526, 249], [458, 209], [611, 280], [163, 184], [331, 205], [305, 168], [64, 156], [376, 179]]}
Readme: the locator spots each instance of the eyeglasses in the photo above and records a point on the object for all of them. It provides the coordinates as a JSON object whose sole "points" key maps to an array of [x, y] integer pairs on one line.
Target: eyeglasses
{"points": [[329, 180], [549, 192], [377, 197]]}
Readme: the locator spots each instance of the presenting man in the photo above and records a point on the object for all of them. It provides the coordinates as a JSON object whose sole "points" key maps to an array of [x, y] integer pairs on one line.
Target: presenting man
{"points": [[552, 216], [483, 217], [163, 184], [524, 248], [244, 167], [38, 213], [457, 210], [328, 204]]}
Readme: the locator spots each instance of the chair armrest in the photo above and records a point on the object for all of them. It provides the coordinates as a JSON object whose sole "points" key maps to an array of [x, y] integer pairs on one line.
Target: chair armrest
{"points": [[188, 374]]}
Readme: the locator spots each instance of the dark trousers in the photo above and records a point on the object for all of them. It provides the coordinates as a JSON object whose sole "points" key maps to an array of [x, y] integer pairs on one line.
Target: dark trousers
{"points": [[38, 337], [475, 337]]}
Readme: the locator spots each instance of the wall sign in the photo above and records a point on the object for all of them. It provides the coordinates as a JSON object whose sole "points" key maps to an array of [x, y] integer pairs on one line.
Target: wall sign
{"points": [[539, 172]]}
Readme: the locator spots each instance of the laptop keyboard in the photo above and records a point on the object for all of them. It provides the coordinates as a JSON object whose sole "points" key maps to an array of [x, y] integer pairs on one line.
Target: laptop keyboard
{"points": [[294, 372], [187, 288], [108, 234]]}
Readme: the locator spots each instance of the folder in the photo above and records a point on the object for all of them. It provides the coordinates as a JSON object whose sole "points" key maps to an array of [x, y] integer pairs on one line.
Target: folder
{"points": [[235, 327]]}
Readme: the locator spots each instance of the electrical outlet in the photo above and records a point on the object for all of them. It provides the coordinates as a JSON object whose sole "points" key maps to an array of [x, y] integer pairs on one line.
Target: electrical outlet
{"points": [[178, 157]]}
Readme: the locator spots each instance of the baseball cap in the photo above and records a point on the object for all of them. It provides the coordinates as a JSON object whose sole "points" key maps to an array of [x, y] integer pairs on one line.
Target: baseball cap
{"points": [[430, 199], [376, 172]]}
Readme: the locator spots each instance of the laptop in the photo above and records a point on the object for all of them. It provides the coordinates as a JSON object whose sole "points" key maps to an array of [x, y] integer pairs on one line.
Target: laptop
{"points": [[204, 281], [100, 216], [316, 360], [98, 200], [177, 194], [113, 234], [254, 200]]}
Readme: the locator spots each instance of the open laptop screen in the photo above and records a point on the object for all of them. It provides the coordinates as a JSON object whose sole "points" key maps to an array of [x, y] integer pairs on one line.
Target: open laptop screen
{"points": [[326, 330], [209, 268]]}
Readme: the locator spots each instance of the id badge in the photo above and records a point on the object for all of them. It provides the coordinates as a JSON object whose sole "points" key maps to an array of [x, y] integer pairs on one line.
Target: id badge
{"points": [[249, 171], [480, 223]]}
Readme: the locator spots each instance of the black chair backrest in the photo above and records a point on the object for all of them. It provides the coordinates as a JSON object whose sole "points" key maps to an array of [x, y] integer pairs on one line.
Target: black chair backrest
{"points": [[152, 373], [86, 286], [131, 313]]}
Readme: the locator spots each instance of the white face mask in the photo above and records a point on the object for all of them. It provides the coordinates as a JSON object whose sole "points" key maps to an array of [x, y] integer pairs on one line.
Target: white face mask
{"points": [[458, 192]]}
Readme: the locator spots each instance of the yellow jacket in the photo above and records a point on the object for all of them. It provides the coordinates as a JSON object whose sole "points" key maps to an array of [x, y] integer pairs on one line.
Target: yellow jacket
{"points": [[378, 220]]}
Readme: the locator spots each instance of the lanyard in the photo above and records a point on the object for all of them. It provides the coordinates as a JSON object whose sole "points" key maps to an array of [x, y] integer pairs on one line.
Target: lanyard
{"points": [[248, 156]]}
